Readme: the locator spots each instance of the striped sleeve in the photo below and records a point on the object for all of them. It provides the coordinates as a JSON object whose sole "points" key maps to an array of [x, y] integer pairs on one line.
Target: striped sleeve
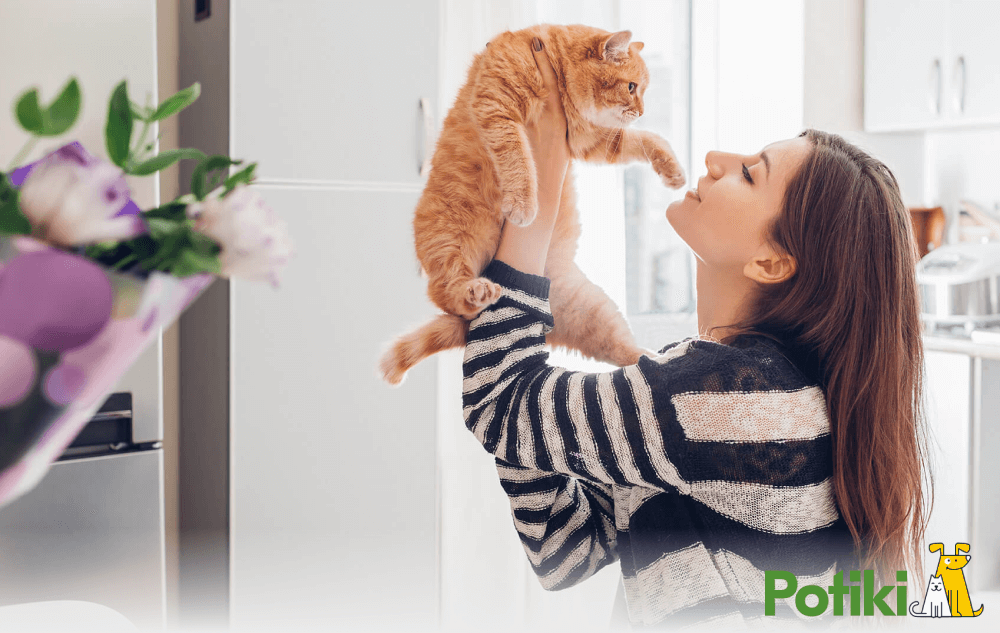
{"points": [[601, 427], [566, 525]]}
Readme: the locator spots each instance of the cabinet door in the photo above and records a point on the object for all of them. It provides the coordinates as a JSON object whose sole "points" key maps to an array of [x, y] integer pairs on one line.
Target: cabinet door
{"points": [[947, 388], [903, 41], [333, 472], [974, 28], [331, 90]]}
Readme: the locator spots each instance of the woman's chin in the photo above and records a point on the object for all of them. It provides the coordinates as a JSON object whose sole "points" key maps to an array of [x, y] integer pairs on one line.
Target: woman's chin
{"points": [[673, 209]]}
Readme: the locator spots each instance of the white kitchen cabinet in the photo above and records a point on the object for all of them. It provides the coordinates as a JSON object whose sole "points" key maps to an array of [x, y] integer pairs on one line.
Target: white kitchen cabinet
{"points": [[931, 64], [331, 90], [904, 50], [974, 40], [315, 480], [947, 389], [963, 413]]}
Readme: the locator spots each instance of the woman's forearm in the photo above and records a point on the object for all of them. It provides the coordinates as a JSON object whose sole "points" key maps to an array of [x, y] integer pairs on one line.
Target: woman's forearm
{"points": [[525, 247]]}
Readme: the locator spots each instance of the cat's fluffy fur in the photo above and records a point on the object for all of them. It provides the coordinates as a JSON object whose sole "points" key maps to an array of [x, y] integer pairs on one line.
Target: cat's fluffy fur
{"points": [[483, 172]]}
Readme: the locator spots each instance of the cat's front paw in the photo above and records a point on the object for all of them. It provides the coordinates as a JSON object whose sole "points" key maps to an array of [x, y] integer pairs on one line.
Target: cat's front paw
{"points": [[520, 209], [667, 166], [673, 179]]}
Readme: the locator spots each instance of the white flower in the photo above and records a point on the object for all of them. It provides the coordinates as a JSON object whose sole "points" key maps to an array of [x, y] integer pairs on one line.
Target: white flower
{"points": [[254, 240], [72, 199]]}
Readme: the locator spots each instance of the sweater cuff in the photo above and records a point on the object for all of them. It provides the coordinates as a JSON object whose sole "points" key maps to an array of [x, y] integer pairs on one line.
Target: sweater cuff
{"points": [[510, 277]]}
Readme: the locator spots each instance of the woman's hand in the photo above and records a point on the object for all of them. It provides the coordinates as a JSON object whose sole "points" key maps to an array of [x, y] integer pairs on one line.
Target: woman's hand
{"points": [[525, 248], [548, 136]]}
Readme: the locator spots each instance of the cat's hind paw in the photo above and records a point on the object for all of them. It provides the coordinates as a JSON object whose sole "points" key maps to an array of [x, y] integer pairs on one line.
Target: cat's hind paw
{"points": [[479, 293]]}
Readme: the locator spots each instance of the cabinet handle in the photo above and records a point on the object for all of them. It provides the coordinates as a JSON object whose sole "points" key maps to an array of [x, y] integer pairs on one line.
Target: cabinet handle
{"points": [[935, 98], [960, 93], [427, 123]]}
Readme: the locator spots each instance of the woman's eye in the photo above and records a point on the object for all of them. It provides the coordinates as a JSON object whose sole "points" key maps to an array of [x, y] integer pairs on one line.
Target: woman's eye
{"points": [[746, 174], [631, 87]]}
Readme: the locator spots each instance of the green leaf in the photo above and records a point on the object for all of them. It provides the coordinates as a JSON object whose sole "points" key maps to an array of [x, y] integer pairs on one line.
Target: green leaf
{"points": [[174, 104], [192, 263], [63, 111], [176, 211], [28, 112], [204, 244], [199, 186], [160, 228], [12, 220], [118, 133], [165, 159], [244, 176]]}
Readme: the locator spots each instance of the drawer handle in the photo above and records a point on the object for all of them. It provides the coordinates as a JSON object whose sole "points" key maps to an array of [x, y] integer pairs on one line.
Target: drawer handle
{"points": [[935, 97], [960, 93]]}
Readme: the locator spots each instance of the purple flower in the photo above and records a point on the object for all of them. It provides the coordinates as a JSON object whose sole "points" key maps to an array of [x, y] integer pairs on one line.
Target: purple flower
{"points": [[254, 240], [72, 199]]}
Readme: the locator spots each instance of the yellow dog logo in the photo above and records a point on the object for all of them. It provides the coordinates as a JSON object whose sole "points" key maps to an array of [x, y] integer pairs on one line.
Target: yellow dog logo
{"points": [[950, 576]]}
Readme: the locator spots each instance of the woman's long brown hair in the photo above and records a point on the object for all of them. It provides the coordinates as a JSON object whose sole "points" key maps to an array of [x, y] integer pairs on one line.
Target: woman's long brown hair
{"points": [[852, 308]]}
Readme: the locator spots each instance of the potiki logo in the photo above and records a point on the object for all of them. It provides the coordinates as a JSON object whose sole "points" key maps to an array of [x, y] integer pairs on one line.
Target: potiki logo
{"points": [[947, 594], [864, 599]]}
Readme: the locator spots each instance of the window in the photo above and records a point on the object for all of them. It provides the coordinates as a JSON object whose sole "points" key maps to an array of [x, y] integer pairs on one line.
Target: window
{"points": [[627, 246]]}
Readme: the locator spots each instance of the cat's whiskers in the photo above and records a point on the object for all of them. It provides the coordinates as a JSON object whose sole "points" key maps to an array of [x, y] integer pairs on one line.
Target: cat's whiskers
{"points": [[643, 146], [614, 133]]}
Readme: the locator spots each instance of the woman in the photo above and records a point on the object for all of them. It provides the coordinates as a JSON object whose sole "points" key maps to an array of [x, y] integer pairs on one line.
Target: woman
{"points": [[788, 435]]}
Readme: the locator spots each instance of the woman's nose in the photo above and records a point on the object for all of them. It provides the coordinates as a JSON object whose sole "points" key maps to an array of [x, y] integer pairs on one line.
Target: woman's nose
{"points": [[714, 162]]}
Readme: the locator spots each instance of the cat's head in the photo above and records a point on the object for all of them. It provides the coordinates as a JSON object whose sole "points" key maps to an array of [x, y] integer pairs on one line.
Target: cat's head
{"points": [[607, 78], [937, 583]]}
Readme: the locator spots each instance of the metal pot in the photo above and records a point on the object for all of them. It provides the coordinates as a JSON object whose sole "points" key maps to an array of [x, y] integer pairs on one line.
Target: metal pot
{"points": [[960, 284]]}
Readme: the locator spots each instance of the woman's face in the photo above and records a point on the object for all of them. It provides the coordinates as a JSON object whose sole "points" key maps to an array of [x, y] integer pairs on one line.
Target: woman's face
{"points": [[725, 223]]}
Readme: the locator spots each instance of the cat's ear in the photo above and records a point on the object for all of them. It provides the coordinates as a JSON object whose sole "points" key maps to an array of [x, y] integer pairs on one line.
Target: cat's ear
{"points": [[615, 48], [638, 46]]}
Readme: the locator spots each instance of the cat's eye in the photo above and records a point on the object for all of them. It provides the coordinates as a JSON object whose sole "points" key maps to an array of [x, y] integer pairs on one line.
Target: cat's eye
{"points": [[631, 87]]}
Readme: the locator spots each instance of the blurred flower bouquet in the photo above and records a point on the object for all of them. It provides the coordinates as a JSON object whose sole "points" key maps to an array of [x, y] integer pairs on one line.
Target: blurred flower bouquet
{"points": [[87, 278]]}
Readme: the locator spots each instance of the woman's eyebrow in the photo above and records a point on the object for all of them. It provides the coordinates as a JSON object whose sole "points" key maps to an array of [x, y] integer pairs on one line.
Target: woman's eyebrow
{"points": [[767, 163]]}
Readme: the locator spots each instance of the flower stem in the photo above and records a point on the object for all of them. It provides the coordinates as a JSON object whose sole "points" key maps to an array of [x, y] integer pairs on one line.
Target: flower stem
{"points": [[137, 152], [21, 155]]}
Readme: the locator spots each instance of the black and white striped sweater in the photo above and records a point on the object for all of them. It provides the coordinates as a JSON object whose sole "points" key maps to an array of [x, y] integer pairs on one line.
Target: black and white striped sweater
{"points": [[698, 469]]}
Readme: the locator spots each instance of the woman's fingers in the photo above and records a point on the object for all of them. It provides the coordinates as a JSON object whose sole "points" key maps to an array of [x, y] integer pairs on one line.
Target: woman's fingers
{"points": [[544, 66], [553, 104]]}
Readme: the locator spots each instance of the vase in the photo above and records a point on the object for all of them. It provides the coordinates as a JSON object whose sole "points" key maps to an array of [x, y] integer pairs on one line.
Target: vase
{"points": [[69, 329]]}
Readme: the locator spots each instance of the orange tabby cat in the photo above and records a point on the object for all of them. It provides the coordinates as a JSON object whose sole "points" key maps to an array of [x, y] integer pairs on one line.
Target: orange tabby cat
{"points": [[483, 173]]}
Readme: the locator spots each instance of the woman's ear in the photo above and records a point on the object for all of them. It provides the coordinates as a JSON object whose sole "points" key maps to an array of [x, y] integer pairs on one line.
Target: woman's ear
{"points": [[770, 267]]}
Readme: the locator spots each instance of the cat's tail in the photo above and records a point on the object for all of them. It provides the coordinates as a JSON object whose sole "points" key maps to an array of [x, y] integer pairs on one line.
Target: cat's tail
{"points": [[445, 331]]}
